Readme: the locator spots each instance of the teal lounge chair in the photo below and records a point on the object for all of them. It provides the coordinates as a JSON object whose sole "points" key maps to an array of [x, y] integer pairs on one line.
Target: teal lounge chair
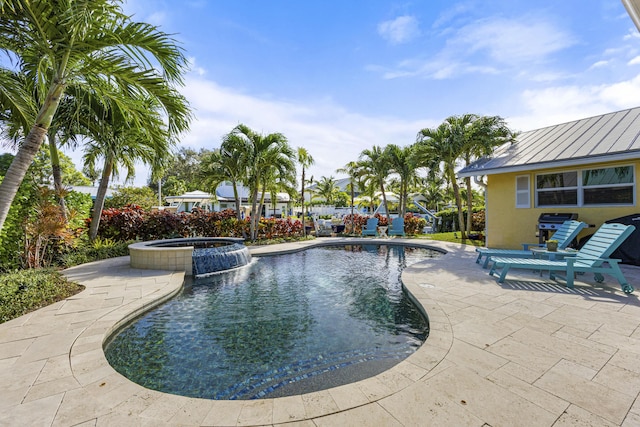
{"points": [[371, 228], [397, 227], [590, 259], [565, 234]]}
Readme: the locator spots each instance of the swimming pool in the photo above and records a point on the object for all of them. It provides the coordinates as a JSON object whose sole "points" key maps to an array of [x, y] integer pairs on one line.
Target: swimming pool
{"points": [[284, 325]]}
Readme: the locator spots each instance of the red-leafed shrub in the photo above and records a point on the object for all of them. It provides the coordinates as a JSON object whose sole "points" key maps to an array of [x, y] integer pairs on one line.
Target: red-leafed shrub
{"points": [[477, 221], [120, 224], [359, 221], [271, 228], [131, 223], [382, 220], [164, 225], [414, 224]]}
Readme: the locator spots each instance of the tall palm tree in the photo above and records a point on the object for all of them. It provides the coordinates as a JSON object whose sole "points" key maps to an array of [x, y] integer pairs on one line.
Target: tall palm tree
{"points": [[225, 165], [353, 170], [91, 43], [441, 148], [121, 143], [482, 135], [402, 162], [375, 167], [327, 189], [265, 157], [305, 160]]}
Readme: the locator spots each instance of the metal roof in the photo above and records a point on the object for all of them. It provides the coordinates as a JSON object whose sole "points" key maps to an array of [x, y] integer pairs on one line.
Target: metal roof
{"points": [[609, 137]]}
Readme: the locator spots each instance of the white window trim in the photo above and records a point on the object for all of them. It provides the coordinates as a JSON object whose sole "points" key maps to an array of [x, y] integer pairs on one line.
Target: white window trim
{"points": [[527, 192], [579, 188]]}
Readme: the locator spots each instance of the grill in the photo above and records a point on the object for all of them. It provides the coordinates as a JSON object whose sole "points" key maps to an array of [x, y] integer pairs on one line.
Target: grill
{"points": [[549, 222]]}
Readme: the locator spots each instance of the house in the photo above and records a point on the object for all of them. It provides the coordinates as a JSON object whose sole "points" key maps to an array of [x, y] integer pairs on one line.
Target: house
{"points": [[225, 199], [190, 200], [588, 167]]}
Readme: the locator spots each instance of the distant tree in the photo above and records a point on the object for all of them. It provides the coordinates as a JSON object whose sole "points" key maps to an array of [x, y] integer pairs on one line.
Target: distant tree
{"points": [[265, 158], [327, 189], [402, 163], [183, 166], [140, 196], [375, 168], [305, 160]]}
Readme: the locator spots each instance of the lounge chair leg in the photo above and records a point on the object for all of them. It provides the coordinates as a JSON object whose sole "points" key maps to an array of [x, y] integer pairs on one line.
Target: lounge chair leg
{"points": [[503, 275]]}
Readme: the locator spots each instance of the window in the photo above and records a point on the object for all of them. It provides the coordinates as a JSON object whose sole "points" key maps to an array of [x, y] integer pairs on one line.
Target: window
{"points": [[589, 187], [522, 192]]}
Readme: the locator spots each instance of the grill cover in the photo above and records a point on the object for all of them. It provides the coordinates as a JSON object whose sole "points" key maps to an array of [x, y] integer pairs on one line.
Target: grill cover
{"points": [[629, 250]]}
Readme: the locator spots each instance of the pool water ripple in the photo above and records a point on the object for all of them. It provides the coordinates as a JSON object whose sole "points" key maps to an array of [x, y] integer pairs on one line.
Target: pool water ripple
{"points": [[283, 325]]}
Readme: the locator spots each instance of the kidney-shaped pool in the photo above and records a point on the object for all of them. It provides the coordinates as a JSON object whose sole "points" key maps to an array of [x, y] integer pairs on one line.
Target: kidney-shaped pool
{"points": [[283, 325]]}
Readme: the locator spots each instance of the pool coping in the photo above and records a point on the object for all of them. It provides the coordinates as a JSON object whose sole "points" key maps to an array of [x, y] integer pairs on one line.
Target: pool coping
{"points": [[54, 369]]}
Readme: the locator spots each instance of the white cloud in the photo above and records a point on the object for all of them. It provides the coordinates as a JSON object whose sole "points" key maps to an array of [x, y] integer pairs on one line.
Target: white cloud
{"points": [[332, 134], [511, 41], [400, 30], [634, 61], [489, 46], [599, 64], [560, 104]]}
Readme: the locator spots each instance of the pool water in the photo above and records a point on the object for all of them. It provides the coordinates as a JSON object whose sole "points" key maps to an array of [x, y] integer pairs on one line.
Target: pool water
{"points": [[283, 325]]}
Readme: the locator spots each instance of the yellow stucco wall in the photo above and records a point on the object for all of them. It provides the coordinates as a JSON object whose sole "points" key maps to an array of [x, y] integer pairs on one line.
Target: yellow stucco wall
{"points": [[509, 227]]}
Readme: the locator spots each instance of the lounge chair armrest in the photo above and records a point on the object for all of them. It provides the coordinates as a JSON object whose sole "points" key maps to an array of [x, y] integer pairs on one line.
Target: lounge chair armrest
{"points": [[571, 259]]}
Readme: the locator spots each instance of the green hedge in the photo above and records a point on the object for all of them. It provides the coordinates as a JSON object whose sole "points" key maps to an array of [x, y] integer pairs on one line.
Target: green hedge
{"points": [[24, 291]]}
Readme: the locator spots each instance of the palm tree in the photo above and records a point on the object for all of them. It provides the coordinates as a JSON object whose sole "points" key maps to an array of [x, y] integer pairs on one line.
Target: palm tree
{"points": [[225, 165], [266, 157], [441, 148], [327, 189], [305, 160], [375, 167], [402, 162], [482, 135], [121, 142], [90, 43], [352, 169]]}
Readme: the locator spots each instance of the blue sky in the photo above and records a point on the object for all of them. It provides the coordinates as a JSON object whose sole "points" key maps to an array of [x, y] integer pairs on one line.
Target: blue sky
{"points": [[341, 76]]}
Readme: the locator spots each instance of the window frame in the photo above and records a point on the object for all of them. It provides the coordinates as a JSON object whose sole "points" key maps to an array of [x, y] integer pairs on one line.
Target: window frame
{"points": [[580, 188]]}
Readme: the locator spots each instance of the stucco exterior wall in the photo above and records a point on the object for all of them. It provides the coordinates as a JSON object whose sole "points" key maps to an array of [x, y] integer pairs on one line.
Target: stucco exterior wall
{"points": [[509, 227]]}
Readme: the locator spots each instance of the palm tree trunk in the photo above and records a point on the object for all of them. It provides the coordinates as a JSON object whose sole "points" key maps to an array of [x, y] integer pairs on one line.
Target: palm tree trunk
{"points": [[469, 204], [100, 196], [253, 224], [57, 174], [456, 193], [304, 230], [384, 200], [236, 196], [28, 150]]}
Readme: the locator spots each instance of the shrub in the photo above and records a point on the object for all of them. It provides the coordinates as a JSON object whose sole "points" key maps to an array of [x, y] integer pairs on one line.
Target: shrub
{"points": [[28, 290], [359, 222], [120, 224], [99, 249], [162, 225], [414, 224]]}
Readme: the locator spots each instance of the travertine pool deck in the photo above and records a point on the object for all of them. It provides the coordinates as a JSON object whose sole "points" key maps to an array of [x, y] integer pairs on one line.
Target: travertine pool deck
{"points": [[528, 352]]}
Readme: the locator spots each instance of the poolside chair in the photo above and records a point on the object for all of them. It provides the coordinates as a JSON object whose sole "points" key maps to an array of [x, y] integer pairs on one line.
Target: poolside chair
{"points": [[591, 258], [565, 234], [371, 228], [322, 228], [397, 227]]}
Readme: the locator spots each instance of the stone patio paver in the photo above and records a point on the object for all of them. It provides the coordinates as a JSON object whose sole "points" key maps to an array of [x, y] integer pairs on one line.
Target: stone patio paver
{"points": [[527, 352]]}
